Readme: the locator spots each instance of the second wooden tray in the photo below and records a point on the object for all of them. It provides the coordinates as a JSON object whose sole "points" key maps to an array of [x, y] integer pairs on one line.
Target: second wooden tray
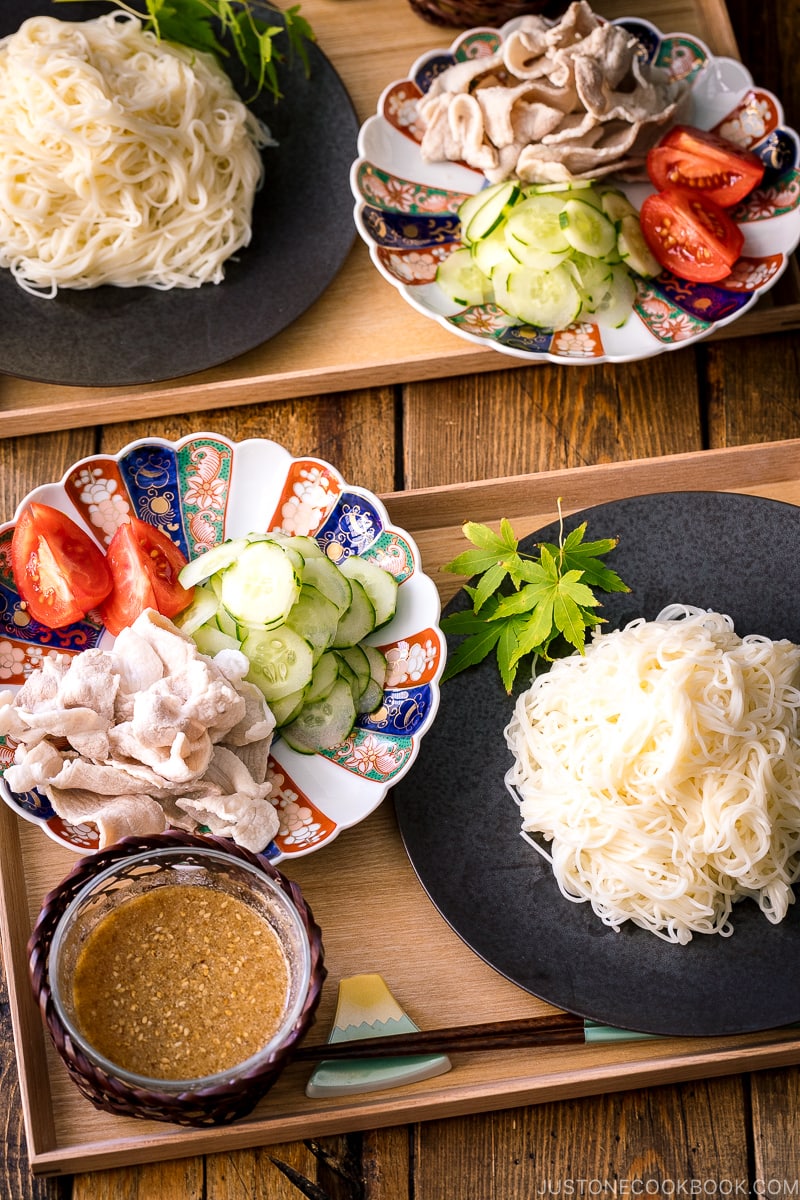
{"points": [[376, 917]]}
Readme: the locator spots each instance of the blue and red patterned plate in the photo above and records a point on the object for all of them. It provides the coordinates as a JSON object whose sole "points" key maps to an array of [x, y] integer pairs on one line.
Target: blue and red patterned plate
{"points": [[406, 208], [200, 490]]}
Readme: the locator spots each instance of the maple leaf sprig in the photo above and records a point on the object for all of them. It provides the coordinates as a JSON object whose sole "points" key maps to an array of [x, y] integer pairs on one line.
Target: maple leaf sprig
{"points": [[547, 609], [194, 23]]}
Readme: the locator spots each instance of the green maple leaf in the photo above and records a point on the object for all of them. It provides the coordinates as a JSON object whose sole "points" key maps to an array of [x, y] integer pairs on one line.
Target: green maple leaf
{"points": [[194, 23], [585, 556], [523, 605]]}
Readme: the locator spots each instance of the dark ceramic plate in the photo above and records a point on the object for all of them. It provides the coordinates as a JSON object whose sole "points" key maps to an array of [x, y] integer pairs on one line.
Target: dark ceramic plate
{"points": [[735, 554], [303, 231]]}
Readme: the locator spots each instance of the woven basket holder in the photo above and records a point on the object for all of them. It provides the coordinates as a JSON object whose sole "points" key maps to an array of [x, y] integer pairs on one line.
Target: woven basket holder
{"points": [[215, 1105], [465, 14]]}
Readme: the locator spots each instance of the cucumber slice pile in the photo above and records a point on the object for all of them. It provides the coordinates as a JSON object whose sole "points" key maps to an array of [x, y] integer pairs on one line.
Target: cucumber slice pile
{"points": [[550, 254], [301, 620]]}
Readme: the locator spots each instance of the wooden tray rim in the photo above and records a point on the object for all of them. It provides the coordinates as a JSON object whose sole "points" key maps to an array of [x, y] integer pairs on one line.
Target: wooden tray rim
{"points": [[282, 369], [766, 469]]}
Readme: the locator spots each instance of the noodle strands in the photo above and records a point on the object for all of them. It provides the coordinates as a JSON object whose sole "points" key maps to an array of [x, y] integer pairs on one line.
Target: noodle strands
{"points": [[663, 769], [123, 160]]}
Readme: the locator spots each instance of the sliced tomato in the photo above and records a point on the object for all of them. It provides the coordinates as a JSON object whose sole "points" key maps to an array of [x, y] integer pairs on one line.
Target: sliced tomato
{"points": [[699, 161], [59, 571], [144, 564], [690, 236]]}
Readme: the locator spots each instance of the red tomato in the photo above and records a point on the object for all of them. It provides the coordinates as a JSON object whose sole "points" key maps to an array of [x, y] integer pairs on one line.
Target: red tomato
{"points": [[144, 564], [59, 571], [690, 236], [699, 161]]}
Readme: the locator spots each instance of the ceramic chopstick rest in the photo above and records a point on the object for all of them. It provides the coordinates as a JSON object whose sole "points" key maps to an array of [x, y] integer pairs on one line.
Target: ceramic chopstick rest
{"points": [[366, 1008]]}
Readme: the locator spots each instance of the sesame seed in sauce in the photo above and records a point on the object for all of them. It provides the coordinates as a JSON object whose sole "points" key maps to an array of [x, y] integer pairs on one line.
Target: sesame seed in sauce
{"points": [[160, 946]]}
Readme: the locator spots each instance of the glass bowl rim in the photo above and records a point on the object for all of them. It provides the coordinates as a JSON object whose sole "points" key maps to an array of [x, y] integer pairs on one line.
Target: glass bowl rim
{"points": [[197, 1083]]}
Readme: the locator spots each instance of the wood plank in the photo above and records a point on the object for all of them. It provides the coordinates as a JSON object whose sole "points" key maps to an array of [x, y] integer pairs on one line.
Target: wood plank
{"points": [[544, 418], [603, 1146], [775, 1100]]}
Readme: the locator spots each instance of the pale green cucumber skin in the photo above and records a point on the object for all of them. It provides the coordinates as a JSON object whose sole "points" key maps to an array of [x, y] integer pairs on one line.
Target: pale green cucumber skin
{"points": [[308, 657]]}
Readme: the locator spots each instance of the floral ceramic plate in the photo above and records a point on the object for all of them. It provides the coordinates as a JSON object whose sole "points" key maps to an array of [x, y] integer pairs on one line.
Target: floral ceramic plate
{"points": [[406, 209], [200, 490]]}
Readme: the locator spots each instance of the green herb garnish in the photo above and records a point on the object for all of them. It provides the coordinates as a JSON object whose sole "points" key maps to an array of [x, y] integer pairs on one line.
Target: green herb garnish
{"points": [[195, 23], [546, 611]]}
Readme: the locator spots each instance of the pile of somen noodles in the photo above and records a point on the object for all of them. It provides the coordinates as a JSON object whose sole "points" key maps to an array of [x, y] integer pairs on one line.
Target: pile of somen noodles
{"points": [[123, 160], [662, 770]]}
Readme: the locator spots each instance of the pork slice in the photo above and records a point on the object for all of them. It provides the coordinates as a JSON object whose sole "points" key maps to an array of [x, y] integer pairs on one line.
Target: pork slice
{"points": [[115, 818], [62, 722], [103, 779], [179, 762], [257, 723], [42, 685], [35, 767], [251, 822], [136, 663], [255, 756], [91, 681]]}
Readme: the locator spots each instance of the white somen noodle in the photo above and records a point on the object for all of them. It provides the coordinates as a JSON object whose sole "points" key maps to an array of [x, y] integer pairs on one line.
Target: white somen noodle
{"points": [[663, 769], [123, 160]]}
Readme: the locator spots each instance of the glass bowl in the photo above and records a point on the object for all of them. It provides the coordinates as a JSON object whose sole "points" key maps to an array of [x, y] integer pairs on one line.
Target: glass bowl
{"points": [[73, 920]]}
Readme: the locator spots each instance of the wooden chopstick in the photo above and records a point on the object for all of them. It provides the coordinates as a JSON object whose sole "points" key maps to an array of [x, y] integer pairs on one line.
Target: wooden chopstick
{"points": [[555, 1029]]}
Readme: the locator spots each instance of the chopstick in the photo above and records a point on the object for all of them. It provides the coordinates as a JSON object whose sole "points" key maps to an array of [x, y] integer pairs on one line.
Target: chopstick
{"points": [[555, 1029]]}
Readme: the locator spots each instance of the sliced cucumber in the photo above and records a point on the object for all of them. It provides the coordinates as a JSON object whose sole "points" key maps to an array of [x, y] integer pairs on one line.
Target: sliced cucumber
{"points": [[358, 663], [309, 547], [633, 249], [326, 672], [323, 724], [613, 309], [359, 620], [482, 213], [490, 251], [592, 277], [576, 185], [461, 279], [211, 561], [587, 229], [537, 223], [380, 586], [531, 256], [315, 618], [326, 577], [281, 661], [288, 708], [226, 623], [372, 696], [203, 608], [210, 640], [616, 205], [261, 586], [546, 299]]}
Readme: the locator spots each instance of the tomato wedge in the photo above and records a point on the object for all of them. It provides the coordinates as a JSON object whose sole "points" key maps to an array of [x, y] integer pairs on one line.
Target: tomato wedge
{"points": [[700, 161], [59, 571], [144, 565], [690, 235]]}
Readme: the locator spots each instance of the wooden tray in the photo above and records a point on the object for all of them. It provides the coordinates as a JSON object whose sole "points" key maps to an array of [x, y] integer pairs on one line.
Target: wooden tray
{"points": [[360, 332], [375, 915]]}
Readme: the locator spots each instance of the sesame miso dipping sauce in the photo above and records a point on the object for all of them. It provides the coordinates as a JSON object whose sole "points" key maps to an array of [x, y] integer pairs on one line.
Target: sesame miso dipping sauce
{"points": [[175, 974], [180, 982]]}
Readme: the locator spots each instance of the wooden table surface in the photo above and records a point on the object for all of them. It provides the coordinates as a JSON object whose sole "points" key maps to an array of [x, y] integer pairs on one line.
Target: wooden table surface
{"points": [[736, 1136]]}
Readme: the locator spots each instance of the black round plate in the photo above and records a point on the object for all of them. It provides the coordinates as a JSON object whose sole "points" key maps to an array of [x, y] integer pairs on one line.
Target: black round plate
{"points": [[725, 552], [303, 231]]}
